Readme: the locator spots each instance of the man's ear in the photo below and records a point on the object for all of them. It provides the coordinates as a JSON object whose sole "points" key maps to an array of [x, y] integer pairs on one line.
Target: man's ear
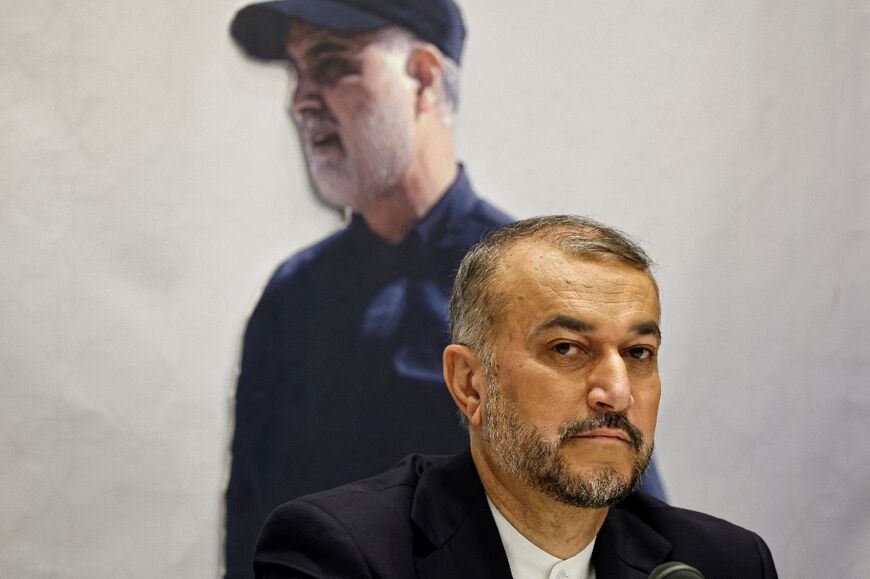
{"points": [[426, 67], [466, 381]]}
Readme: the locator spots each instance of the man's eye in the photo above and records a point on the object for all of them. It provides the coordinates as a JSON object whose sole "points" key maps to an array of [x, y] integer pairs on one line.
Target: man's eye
{"points": [[329, 71], [565, 348], [640, 353]]}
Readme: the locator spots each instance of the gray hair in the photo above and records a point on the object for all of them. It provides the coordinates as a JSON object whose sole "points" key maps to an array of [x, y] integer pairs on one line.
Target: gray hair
{"points": [[475, 302], [399, 38]]}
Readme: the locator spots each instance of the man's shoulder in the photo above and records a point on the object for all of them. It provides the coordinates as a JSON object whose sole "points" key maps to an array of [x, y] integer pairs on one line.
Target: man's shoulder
{"points": [[666, 518], [693, 537], [463, 228], [369, 495], [462, 207], [481, 218], [328, 253], [489, 215], [357, 529]]}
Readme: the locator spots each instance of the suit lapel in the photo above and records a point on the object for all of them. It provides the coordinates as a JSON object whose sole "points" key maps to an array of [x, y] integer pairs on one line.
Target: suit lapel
{"points": [[458, 535], [627, 548]]}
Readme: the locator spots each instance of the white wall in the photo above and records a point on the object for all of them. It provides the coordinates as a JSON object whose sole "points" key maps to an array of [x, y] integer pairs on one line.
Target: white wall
{"points": [[150, 181]]}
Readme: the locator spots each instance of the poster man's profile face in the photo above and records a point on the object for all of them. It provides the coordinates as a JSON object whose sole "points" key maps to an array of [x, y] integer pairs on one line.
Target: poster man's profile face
{"points": [[354, 106]]}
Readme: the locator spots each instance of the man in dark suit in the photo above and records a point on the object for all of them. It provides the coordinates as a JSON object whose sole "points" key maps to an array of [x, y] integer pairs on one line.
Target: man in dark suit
{"points": [[555, 331]]}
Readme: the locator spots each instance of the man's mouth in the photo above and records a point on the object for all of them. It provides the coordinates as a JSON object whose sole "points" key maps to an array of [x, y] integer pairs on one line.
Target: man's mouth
{"points": [[613, 434], [319, 140]]}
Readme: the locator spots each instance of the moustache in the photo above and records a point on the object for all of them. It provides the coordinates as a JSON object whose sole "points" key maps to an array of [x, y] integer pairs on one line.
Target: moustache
{"points": [[605, 420]]}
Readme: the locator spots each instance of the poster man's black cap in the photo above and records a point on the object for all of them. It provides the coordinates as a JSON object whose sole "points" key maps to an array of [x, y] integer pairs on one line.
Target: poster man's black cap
{"points": [[261, 29]]}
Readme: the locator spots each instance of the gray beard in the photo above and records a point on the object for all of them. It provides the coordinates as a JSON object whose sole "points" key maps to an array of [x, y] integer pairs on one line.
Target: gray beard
{"points": [[374, 161], [523, 452]]}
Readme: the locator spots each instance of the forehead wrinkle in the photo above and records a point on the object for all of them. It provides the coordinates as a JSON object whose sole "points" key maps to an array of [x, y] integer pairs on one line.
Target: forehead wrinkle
{"points": [[596, 293], [524, 272], [630, 299]]}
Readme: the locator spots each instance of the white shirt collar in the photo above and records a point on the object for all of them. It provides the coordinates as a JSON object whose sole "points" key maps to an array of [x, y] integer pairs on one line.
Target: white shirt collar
{"points": [[528, 561]]}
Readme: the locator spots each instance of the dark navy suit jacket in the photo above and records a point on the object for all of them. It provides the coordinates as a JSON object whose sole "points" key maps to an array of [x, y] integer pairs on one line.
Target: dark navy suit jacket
{"points": [[428, 518]]}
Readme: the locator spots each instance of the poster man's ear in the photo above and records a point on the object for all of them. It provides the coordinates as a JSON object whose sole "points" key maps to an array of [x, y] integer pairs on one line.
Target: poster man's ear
{"points": [[426, 67], [466, 381]]}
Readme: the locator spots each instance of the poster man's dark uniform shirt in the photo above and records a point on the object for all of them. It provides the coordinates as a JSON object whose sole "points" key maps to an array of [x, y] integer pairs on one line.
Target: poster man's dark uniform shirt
{"points": [[341, 366]]}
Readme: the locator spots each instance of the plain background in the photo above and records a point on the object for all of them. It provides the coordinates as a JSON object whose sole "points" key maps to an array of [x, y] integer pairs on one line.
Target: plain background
{"points": [[150, 182]]}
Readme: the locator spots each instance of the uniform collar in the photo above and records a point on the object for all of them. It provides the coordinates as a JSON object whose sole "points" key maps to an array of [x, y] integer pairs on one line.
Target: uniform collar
{"points": [[456, 203]]}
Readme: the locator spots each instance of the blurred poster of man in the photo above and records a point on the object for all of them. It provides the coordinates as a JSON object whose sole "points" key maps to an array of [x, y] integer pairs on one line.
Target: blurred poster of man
{"points": [[341, 366]]}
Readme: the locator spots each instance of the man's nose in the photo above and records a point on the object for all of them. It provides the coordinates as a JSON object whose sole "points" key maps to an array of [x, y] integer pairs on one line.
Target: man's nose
{"points": [[306, 98], [609, 385]]}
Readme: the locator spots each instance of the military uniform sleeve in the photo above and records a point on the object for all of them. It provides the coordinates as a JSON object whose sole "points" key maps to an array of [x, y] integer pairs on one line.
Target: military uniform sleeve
{"points": [[248, 499]]}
